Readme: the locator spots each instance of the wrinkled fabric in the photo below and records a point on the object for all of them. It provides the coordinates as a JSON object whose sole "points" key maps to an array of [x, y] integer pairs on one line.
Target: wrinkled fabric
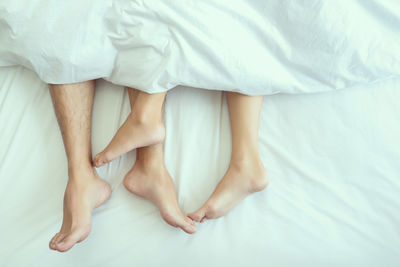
{"points": [[254, 47], [332, 160]]}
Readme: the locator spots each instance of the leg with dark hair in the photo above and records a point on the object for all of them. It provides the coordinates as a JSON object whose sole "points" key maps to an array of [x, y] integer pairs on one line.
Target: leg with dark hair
{"points": [[85, 190]]}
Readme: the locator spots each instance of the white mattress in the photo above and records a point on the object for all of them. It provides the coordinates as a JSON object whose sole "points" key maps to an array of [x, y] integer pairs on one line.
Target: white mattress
{"points": [[333, 161]]}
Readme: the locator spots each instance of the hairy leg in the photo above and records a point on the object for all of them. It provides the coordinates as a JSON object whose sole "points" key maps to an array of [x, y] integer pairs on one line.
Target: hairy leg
{"points": [[85, 190], [246, 173], [150, 179], [143, 127]]}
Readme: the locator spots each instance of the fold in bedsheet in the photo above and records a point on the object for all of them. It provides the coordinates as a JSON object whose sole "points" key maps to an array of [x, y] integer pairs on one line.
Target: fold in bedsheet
{"points": [[255, 47]]}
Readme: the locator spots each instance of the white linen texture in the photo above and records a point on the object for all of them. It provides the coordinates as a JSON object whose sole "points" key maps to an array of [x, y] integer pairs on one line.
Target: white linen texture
{"points": [[255, 47]]}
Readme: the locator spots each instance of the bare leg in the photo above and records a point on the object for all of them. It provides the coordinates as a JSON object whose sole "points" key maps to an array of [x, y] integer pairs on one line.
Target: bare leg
{"points": [[143, 127], [246, 173], [150, 179], [85, 190]]}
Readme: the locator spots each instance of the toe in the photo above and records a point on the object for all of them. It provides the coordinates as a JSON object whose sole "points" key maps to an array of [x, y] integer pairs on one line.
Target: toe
{"points": [[106, 157], [189, 221], [198, 215], [56, 239], [68, 241], [188, 225], [52, 241], [98, 160], [188, 228]]}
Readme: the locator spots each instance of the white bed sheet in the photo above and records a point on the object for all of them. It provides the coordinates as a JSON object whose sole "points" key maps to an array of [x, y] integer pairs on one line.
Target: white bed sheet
{"points": [[333, 161]]}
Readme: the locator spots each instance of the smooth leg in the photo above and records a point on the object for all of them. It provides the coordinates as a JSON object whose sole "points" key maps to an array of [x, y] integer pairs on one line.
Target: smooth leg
{"points": [[85, 190], [246, 173], [143, 127], [150, 179]]}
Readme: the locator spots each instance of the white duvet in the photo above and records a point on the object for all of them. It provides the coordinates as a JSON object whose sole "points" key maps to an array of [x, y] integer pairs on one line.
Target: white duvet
{"points": [[253, 46]]}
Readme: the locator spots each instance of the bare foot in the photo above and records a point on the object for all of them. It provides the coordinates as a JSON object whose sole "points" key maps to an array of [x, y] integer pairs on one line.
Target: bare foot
{"points": [[239, 181], [134, 133], [154, 183], [80, 198]]}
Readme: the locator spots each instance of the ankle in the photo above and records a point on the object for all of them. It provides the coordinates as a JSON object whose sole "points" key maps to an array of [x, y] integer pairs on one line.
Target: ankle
{"points": [[80, 160], [258, 178], [78, 171], [151, 163], [146, 116], [245, 156], [243, 162]]}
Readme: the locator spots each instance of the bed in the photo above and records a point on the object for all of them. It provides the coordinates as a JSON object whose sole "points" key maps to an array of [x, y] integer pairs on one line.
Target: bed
{"points": [[329, 132], [332, 158]]}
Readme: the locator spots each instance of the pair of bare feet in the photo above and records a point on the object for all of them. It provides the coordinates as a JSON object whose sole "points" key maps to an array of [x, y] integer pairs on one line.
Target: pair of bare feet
{"points": [[149, 180]]}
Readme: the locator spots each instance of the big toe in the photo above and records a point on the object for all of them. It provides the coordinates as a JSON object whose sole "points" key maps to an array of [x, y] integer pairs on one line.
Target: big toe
{"points": [[188, 226], [56, 238], [198, 215], [69, 241], [101, 159]]}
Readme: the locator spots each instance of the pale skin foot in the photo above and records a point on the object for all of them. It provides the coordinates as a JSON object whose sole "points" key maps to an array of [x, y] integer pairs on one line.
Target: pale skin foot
{"points": [[134, 133], [246, 173], [85, 191], [153, 182], [149, 177], [241, 180]]}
